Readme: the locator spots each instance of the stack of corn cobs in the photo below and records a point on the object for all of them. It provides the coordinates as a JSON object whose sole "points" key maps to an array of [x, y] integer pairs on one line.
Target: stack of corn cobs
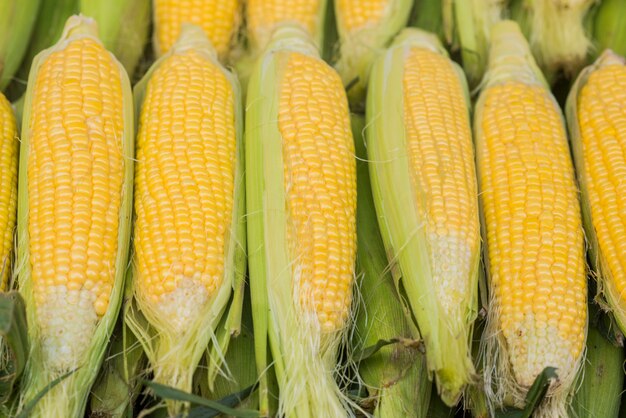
{"points": [[312, 208]]}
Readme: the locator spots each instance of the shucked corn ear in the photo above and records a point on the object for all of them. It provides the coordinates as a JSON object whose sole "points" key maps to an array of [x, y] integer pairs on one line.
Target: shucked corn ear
{"points": [[419, 146], [74, 205], [301, 204], [556, 32], [263, 17], [123, 27], [189, 237], [365, 27], [595, 108], [532, 228], [396, 377], [16, 24], [467, 26], [218, 18], [8, 188]]}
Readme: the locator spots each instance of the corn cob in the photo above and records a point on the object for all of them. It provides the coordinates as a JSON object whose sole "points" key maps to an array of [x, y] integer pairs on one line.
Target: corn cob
{"points": [[263, 17], [467, 26], [599, 394], [218, 18], [538, 314], [365, 27], [17, 19], [594, 108], [609, 30], [556, 32], [424, 186], [396, 376], [301, 194], [189, 235], [8, 186], [123, 26], [74, 203]]}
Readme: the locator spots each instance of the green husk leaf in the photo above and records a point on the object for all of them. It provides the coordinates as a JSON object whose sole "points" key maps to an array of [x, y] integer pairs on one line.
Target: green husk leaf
{"points": [[28, 409], [448, 352], [69, 398], [358, 48], [428, 15], [391, 362], [600, 392], [609, 28], [14, 341], [47, 29], [174, 394], [556, 33], [123, 26], [174, 357], [17, 19], [438, 409]]}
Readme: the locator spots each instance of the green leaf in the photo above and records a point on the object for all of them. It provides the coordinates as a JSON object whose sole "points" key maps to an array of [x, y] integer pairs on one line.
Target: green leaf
{"points": [[368, 352], [222, 406], [26, 411], [535, 395], [13, 330]]}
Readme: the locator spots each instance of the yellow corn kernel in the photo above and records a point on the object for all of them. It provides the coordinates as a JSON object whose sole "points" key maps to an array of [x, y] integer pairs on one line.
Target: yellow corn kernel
{"points": [[357, 14], [440, 150], [601, 118], [320, 180], [534, 231], [75, 176], [263, 16], [8, 187], [184, 184], [218, 19]]}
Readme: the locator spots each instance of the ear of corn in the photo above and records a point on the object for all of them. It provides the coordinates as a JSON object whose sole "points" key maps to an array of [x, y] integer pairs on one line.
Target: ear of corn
{"points": [[594, 108], [123, 27], [556, 32], [301, 194], [601, 389], [263, 17], [396, 376], [365, 27], [532, 227], [424, 186], [74, 205], [609, 27], [8, 188], [189, 237], [219, 19], [17, 19], [468, 26]]}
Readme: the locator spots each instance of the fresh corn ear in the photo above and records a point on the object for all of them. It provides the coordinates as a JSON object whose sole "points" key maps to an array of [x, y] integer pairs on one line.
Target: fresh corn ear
{"points": [[189, 235], [74, 206], [365, 27], [608, 27], [467, 26], [396, 377], [123, 26], [556, 32], [8, 188], [532, 229], [594, 113], [419, 146], [263, 17], [218, 18], [17, 19], [301, 194]]}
